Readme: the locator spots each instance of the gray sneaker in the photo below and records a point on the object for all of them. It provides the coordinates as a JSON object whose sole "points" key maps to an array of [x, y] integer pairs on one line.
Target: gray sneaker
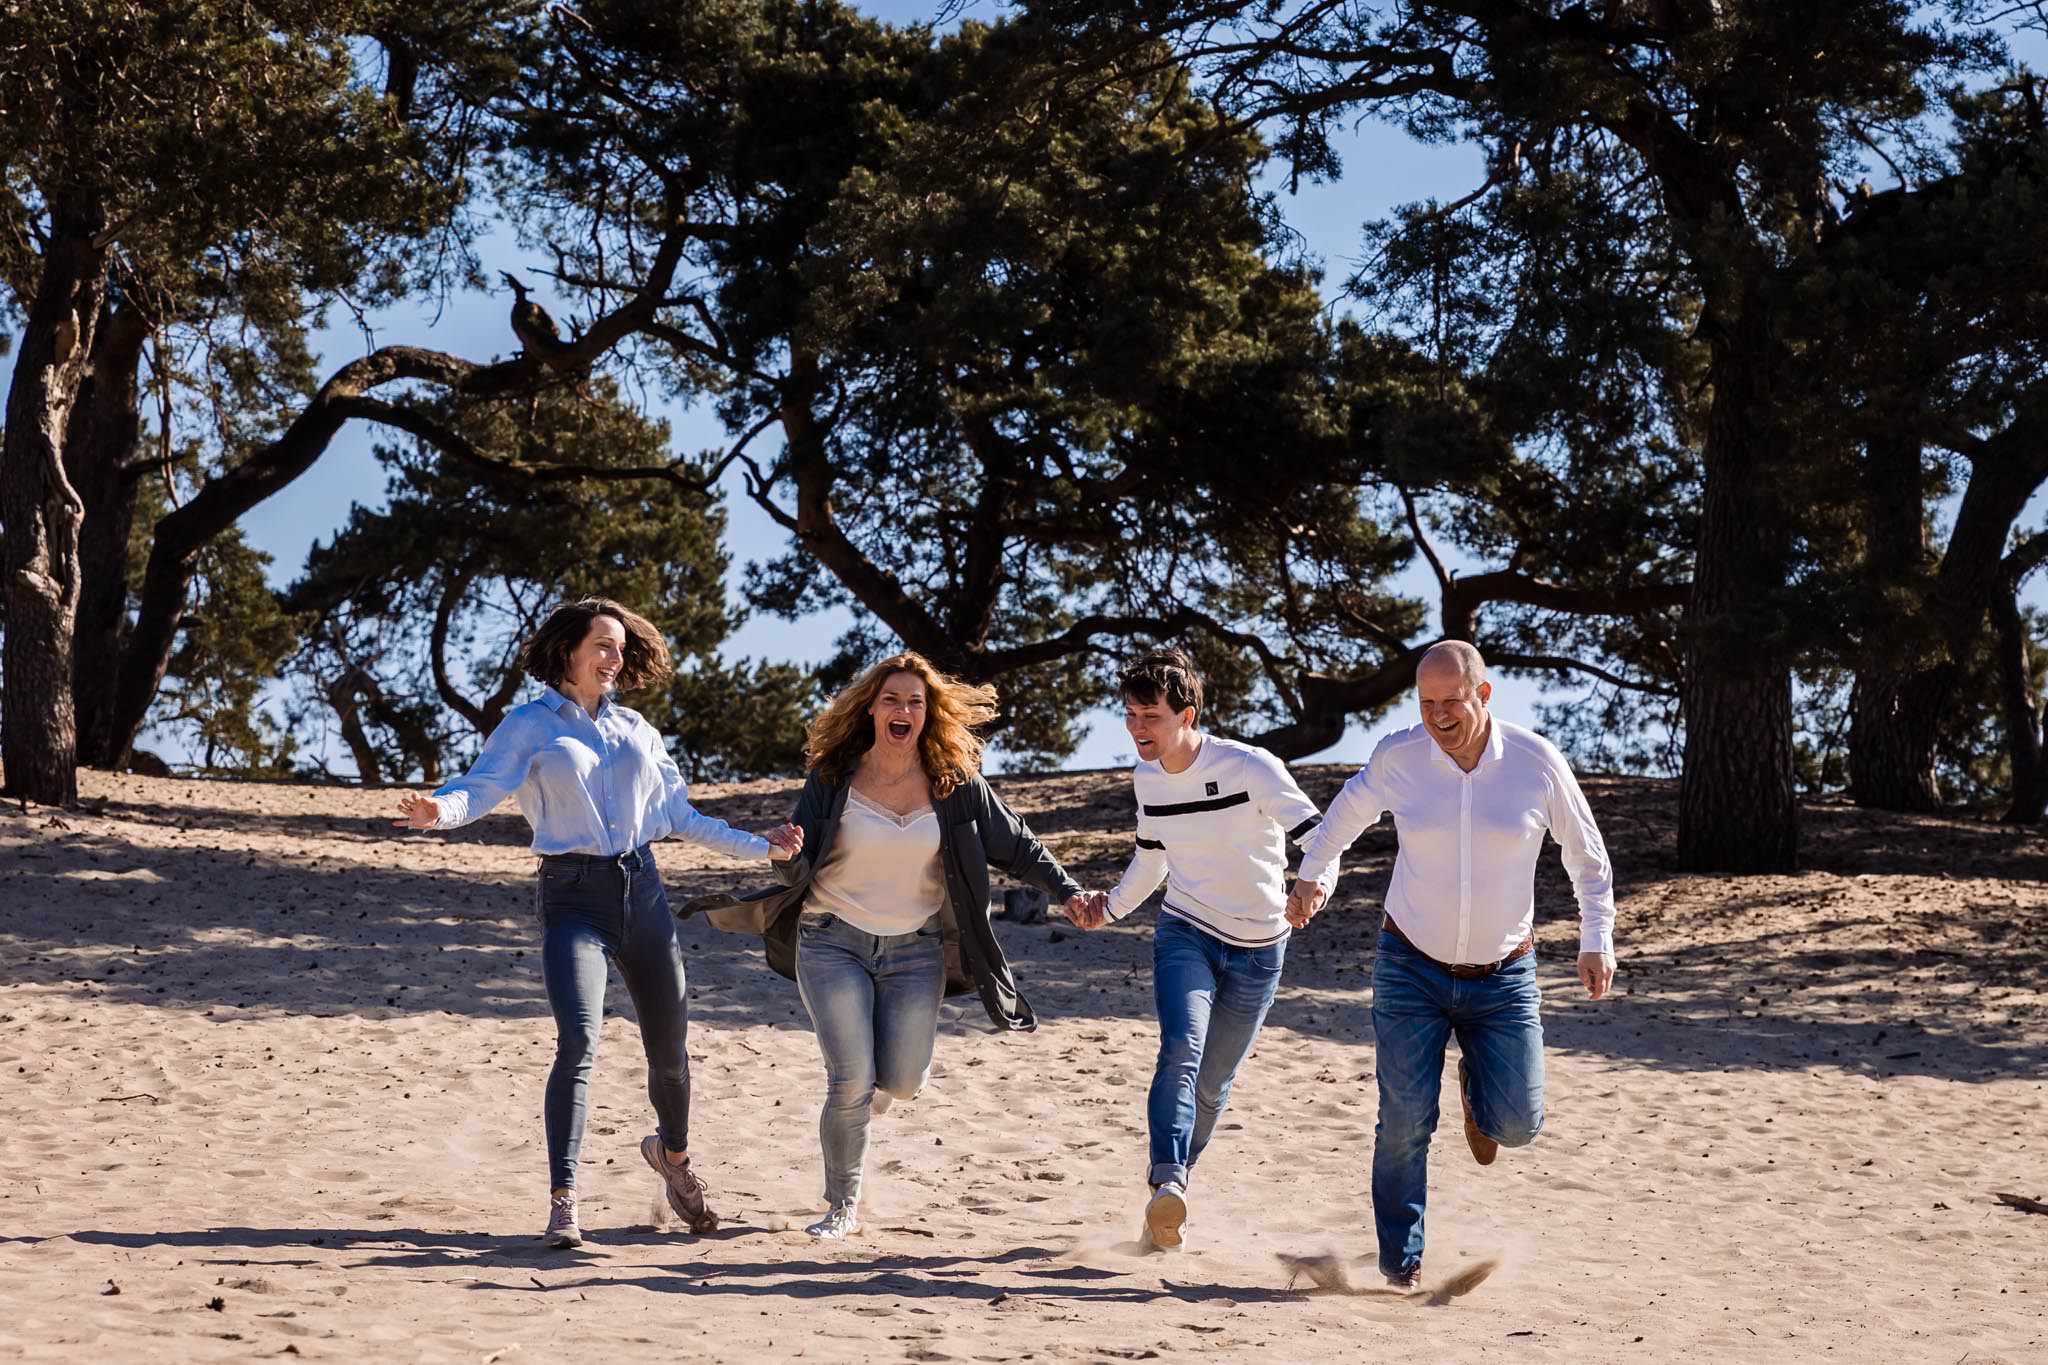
{"points": [[837, 1225], [1166, 1217], [562, 1228], [685, 1191]]}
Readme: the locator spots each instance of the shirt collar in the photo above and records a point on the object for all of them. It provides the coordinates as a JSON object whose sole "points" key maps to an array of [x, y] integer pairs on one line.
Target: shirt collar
{"points": [[553, 698], [1495, 747]]}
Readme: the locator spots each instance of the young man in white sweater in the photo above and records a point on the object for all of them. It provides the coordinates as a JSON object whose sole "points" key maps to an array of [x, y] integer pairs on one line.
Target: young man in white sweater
{"points": [[1214, 821]]}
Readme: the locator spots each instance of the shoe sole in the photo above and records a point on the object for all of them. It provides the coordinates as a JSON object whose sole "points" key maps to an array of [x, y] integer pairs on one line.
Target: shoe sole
{"points": [[562, 1241], [1484, 1148], [1165, 1216], [650, 1152]]}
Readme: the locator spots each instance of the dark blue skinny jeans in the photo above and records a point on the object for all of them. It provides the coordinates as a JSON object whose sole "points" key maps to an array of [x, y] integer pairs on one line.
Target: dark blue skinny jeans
{"points": [[594, 910]]}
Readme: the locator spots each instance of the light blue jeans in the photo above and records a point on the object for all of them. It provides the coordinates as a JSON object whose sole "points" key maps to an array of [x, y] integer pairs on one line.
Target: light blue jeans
{"points": [[1416, 1007], [1211, 999], [874, 1003]]}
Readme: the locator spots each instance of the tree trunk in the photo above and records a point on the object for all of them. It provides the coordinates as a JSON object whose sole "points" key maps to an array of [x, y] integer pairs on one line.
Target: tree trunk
{"points": [[100, 455], [2021, 708], [43, 512], [344, 695], [1894, 720], [1737, 810], [415, 741], [1901, 686]]}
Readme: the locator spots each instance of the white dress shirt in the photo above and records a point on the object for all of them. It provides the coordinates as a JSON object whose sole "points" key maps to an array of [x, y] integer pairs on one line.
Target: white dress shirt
{"points": [[601, 784], [1464, 887]]}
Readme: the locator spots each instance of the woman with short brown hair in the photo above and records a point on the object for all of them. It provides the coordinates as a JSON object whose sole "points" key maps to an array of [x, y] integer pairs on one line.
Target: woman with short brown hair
{"points": [[900, 831], [599, 788]]}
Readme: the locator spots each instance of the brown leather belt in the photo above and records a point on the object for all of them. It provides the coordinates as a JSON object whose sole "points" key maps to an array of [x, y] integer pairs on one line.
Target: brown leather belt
{"points": [[1464, 971]]}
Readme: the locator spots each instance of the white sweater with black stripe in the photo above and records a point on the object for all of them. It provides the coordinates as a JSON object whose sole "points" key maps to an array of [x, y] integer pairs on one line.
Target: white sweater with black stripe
{"points": [[1217, 835]]}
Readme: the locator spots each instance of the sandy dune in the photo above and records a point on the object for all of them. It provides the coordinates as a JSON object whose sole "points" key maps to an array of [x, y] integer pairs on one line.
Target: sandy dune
{"points": [[273, 1081]]}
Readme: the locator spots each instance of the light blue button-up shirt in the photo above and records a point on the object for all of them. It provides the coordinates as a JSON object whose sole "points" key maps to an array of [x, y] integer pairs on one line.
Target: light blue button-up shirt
{"points": [[601, 784]]}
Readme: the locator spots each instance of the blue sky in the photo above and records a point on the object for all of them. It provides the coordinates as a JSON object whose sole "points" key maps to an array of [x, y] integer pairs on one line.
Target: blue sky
{"points": [[1382, 168]]}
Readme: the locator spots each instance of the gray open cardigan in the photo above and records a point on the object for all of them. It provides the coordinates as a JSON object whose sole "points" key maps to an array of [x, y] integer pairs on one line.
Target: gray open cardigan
{"points": [[976, 830]]}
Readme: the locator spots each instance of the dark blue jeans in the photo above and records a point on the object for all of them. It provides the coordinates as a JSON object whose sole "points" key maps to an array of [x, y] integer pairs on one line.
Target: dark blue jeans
{"points": [[1416, 1007], [1211, 999], [594, 910]]}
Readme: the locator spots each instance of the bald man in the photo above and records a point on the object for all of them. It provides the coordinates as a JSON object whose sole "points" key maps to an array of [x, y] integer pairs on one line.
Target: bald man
{"points": [[1472, 797]]}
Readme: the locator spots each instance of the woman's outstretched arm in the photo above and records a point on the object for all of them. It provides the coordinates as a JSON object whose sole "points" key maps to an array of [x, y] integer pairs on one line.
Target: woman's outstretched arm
{"points": [[495, 775]]}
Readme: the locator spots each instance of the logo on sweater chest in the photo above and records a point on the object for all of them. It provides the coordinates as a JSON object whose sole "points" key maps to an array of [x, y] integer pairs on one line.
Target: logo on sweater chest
{"points": [[1208, 789]]}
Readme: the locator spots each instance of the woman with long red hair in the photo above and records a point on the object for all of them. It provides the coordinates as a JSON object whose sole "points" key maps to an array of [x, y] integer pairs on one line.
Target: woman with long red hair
{"points": [[887, 905]]}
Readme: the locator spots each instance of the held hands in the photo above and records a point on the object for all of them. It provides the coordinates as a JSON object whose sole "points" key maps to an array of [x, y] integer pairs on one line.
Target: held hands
{"points": [[417, 812], [785, 842], [1596, 973], [1304, 901], [1088, 909]]}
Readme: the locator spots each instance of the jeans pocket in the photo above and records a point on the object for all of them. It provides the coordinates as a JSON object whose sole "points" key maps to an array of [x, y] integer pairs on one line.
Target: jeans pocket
{"points": [[562, 874], [812, 922]]}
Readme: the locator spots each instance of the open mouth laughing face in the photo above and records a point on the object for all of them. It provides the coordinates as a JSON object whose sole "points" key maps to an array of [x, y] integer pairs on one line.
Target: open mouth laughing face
{"points": [[1453, 711], [899, 710]]}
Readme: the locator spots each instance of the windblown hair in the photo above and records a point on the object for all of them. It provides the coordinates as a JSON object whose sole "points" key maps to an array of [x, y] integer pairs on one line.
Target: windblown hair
{"points": [[546, 655], [1165, 675], [948, 746]]}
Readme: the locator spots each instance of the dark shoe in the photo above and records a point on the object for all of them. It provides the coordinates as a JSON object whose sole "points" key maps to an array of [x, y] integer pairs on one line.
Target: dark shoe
{"points": [[1407, 1281], [685, 1191], [1484, 1148]]}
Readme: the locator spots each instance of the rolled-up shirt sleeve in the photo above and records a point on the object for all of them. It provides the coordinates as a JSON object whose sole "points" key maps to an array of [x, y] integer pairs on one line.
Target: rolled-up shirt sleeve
{"points": [[686, 822], [1356, 809], [495, 775], [1585, 858]]}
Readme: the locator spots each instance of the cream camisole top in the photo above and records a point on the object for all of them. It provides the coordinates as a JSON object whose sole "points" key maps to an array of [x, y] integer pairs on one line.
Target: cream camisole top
{"points": [[882, 875]]}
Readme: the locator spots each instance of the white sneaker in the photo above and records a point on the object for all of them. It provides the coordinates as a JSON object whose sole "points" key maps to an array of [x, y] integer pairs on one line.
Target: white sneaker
{"points": [[563, 1230], [1167, 1215], [835, 1226]]}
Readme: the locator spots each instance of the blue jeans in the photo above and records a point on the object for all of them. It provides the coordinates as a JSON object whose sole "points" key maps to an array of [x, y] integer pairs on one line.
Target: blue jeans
{"points": [[874, 1003], [1416, 1006], [1211, 999], [593, 909]]}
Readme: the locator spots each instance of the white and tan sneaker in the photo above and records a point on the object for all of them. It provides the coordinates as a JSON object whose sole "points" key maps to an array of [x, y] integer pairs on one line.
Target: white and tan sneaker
{"points": [[686, 1193], [563, 1230], [1166, 1217]]}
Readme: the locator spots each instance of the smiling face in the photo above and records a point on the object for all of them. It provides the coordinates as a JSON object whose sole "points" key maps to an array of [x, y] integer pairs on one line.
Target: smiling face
{"points": [[1453, 710], [898, 712], [1157, 730], [594, 665]]}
